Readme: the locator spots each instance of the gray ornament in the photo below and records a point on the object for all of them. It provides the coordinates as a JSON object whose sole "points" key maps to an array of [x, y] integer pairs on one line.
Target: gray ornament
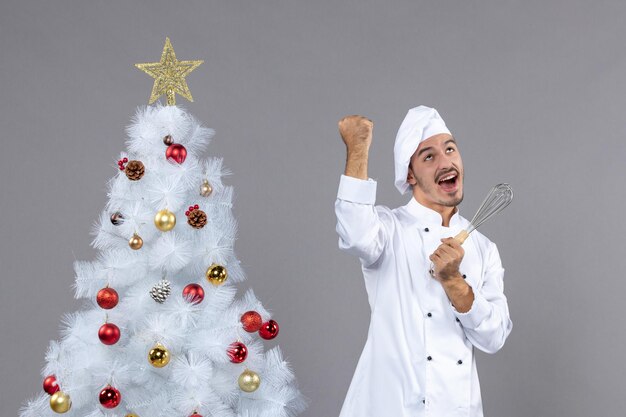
{"points": [[161, 291], [117, 218]]}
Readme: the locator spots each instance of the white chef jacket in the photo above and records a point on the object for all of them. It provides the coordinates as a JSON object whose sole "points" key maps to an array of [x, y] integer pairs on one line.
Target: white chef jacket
{"points": [[418, 359]]}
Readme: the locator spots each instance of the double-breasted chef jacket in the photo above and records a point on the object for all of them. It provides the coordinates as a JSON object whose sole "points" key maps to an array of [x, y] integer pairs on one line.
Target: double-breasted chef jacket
{"points": [[418, 359]]}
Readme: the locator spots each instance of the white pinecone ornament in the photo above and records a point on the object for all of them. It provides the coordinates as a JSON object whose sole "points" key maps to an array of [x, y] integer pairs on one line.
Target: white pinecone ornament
{"points": [[161, 291]]}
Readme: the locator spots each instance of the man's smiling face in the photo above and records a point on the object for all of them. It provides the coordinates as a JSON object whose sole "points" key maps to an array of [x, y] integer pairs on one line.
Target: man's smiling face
{"points": [[436, 173]]}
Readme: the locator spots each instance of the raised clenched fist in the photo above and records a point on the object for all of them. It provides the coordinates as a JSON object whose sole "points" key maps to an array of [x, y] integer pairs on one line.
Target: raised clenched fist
{"points": [[356, 132]]}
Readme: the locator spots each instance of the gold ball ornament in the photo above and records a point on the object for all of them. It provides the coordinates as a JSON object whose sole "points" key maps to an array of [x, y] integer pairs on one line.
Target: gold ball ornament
{"points": [[60, 402], [131, 415], [135, 242], [249, 381], [206, 189], [165, 220], [216, 274], [159, 356]]}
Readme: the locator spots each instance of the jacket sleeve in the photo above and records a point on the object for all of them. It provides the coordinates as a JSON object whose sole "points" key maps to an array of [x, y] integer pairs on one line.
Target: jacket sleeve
{"points": [[360, 228], [487, 324]]}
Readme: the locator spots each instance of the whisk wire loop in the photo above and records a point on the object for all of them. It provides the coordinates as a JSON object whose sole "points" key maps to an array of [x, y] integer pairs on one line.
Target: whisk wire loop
{"points": [[498, 198]]}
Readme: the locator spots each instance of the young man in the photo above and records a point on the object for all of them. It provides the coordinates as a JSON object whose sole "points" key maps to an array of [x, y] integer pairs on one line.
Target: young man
{"points": [[419, 356]]}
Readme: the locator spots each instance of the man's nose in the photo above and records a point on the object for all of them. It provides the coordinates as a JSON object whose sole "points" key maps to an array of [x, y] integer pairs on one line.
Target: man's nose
{"points": [[446, 163]]}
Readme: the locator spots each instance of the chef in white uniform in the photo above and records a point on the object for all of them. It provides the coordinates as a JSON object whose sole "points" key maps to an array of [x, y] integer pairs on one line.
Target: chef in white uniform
{"points": [[419, 356]]}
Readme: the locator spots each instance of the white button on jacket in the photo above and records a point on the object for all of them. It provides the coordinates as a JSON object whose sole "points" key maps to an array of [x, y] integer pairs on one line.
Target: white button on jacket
{"points": [[418, 359]]}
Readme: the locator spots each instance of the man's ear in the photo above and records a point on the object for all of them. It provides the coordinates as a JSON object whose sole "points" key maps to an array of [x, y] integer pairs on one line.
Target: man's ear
{"points": [[410, 178]]}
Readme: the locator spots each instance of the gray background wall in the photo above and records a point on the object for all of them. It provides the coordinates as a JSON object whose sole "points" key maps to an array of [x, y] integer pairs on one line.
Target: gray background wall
{"points": [[533, 90]]}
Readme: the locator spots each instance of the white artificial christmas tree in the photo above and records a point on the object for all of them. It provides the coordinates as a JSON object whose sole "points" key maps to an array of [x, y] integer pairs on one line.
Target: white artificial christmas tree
{"points": [[162, 333]]}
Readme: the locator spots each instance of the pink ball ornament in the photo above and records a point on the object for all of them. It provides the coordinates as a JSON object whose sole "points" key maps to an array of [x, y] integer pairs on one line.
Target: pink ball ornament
{"points": [[109, 334], [237, 352], [176, 153], [269, 330], [107, 298], [193, 293], [50, 385], [110, 397], [251, 321]]}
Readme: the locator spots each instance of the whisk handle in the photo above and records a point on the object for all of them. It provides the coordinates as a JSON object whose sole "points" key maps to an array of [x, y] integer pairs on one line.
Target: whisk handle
{"points": [[462, 236]]}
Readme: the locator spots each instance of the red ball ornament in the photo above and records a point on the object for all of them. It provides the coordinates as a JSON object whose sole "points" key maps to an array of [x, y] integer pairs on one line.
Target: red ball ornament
{"points": [[269, 330], [193, 293], [50, 384], [110, 397], [251, 321], [109, 333], [195, 415], [237, 352], [176, 152], [107, 298]]}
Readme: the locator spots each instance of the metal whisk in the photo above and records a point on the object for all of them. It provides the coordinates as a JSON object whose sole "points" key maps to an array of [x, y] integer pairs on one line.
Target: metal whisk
{"points": [[498, 198]]}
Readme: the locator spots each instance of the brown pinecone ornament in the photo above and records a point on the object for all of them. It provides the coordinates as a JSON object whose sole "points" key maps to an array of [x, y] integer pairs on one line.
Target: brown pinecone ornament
{"points": [[197, 218], [135, 170]]}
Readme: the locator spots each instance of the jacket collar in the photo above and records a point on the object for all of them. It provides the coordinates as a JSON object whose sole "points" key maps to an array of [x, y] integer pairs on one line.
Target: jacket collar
{"points": [[429, 217]]}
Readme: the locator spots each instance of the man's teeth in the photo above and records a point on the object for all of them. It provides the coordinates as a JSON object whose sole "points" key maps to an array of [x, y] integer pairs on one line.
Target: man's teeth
{"points": [[449, 177]]}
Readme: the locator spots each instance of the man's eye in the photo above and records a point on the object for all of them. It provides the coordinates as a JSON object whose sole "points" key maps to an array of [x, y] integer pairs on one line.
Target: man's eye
{"points": [[450, 149], [428, 158]]}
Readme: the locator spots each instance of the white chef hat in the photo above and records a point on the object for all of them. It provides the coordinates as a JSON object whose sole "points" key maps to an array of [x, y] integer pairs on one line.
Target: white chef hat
{"points": [[419, 124]]}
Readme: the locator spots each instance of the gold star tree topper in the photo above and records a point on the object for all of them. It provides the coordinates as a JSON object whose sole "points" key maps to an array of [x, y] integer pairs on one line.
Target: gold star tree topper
{"points": [[169, 75]]}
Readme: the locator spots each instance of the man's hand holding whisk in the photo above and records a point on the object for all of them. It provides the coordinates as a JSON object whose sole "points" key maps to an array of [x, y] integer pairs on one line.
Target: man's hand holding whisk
{"points": [[446, 261]]}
